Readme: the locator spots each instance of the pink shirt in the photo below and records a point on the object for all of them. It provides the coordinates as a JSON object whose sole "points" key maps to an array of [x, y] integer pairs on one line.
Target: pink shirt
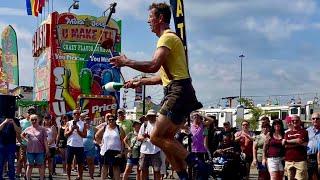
{"points": [[36, 138], [198, 138]]}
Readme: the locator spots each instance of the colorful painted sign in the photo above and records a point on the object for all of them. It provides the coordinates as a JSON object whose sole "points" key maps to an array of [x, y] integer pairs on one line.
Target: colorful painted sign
{"points": [[10, 55], [3, 84], [76, 74], [42, 85]]}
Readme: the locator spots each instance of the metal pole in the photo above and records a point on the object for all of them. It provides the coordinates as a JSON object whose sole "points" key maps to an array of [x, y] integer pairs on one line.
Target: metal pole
{"points": [[241, 57], [144, 97]]}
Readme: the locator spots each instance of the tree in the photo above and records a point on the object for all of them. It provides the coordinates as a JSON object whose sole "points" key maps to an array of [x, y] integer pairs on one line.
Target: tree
{"points": [[256, 113]]}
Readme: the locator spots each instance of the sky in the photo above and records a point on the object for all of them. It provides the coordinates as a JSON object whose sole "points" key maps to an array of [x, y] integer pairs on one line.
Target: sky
{"points": [[279, 39]]}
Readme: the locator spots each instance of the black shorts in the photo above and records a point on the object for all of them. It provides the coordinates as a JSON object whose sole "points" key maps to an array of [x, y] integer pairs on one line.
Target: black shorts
{"points": [[109, 157], [75, 151], [179, 100], [52, 151]]}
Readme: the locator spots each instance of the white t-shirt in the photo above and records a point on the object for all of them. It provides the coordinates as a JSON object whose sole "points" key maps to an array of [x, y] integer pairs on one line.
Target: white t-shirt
{"points": [[147, 147], [50, 137], [75, 140], [111, 140]]}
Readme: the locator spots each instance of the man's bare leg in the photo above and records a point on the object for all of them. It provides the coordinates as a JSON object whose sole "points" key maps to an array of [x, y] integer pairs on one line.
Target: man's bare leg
{"points": [[163, 137]]}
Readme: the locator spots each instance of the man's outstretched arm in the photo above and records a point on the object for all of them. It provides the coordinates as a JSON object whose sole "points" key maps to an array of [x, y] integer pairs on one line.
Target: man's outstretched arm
{"points": [[152, 66], [154, 80]]}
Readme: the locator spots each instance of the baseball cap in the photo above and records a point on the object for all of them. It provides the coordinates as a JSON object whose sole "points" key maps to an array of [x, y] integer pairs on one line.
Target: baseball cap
{"points": [[121, 110], [136, 122], [31, 110], [288, 119], [151, 112], [226, 123]]}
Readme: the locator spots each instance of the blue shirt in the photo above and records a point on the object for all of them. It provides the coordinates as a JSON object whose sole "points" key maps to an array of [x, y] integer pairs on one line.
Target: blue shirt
{"points": [[88, 143], [314, 140]]}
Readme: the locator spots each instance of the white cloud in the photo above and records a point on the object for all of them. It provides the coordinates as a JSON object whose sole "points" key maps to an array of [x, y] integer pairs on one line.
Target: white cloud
{"points": [[136, 8], [218, 9], [273, 28], [4, 11], [26, 66]]}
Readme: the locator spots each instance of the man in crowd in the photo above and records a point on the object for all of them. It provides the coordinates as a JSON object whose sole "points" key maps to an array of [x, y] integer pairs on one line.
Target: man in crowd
{"points": [[179, 95], [295, 142], [313, 150], [125, 124], [22, 159], [150, 153], [9, 130], [75, 132]]}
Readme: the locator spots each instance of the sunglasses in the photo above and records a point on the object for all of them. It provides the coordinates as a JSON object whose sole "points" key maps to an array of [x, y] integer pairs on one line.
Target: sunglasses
{"points": [[33, 119], [245, 124], [315, 118], [111, 119]]}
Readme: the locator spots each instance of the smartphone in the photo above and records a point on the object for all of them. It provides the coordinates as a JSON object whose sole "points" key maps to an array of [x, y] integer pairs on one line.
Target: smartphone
{"points": [[74, 123]]}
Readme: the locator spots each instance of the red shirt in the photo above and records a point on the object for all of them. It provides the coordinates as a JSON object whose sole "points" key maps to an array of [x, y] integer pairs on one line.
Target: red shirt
{"points": [[297, 153], [275, 148]]}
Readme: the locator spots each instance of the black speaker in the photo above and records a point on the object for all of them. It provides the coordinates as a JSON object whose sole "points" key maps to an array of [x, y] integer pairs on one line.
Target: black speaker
{"points": [[7, 106]]}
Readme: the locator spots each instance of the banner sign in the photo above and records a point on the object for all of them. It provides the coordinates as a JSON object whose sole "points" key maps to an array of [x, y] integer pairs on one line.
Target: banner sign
{"points": [[3, 84], [178, 17], [81, 33], [10, 55], [76, 76], [42, 85], [77, 47]]}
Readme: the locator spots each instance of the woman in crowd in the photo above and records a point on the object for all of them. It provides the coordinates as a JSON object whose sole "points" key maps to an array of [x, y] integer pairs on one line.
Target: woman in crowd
{"points": [[263, 173], [134, 150], [89, 146], [62, 142], [51, 130], [37, 146], [245, 138], [273, 150], [111, 139]]}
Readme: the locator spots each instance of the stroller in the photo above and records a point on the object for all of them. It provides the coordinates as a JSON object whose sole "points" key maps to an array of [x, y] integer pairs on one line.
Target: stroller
{"points": [[227, 164]]}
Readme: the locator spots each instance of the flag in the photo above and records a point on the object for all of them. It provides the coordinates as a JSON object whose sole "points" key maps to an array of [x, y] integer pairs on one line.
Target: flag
{"points": [[41, 5], [10, 55], [34, 7], [35, 10], [29, 7], [178, 17]]}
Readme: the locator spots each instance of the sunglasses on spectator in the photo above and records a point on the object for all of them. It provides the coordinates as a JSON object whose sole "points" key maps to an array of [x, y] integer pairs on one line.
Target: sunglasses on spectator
{"points": [[245, 124], [315, 118], [33, 119]]}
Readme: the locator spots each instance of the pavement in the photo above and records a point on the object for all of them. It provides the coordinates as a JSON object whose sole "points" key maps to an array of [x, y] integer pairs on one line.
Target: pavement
{"points": [[35, 174]]}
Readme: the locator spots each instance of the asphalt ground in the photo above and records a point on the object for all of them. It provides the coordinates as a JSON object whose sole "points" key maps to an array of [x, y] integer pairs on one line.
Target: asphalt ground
{"points": [[60, 175]]}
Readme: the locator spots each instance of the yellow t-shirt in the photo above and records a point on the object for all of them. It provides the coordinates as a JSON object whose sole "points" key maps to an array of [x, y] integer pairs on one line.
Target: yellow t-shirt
{"points": [[176, 63]]}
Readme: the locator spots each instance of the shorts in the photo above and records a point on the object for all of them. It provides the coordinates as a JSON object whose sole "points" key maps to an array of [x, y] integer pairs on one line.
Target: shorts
{"points": [[52, 151], [275, 164], [75, 151], [179, 100], [133, 161], [35, 158], [153, 160], [312, 164], [90, 153], [300, 168], [109, 157]]}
